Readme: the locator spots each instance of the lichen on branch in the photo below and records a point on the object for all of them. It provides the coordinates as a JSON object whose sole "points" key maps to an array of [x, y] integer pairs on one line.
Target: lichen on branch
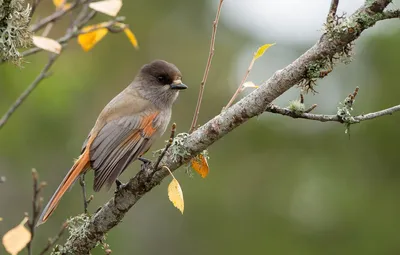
{"points": [[14, 29]]}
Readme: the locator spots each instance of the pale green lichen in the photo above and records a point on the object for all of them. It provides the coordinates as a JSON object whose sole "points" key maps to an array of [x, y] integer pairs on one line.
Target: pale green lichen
{"points": [[14, 29], [177, 149], [344, 112], [296, 106], [77, 227]]}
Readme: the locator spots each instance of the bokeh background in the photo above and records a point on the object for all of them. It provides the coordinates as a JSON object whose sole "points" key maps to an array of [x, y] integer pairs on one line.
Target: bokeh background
{"points": [[276, 186]]}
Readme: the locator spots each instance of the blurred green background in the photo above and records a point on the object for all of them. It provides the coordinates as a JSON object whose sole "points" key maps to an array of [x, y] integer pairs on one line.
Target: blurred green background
{"points": [[276, 185]]}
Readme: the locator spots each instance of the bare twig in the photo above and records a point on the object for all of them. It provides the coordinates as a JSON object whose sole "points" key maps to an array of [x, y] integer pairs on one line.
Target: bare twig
{"points": [[53, 17], [43, 74], [35, 4], [312, 107], [53, 240], [332, 10], [240, 88], [171, 139], [333, 118], [204, 80], [83, 185], [36, 206]]}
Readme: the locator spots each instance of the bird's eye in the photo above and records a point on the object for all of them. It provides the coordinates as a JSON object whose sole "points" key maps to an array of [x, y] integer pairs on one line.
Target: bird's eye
{"points": [[161, 79]]}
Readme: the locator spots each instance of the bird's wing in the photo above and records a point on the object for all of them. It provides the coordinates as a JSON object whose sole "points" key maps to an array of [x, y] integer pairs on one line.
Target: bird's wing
{"points": [[118, 143]]}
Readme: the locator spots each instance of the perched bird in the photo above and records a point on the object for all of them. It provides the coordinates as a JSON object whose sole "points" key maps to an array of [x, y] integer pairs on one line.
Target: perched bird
{"points": [[125, 128]]}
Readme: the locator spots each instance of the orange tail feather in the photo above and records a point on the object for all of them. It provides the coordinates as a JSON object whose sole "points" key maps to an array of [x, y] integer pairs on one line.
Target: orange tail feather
{"points": [[78, 168]]}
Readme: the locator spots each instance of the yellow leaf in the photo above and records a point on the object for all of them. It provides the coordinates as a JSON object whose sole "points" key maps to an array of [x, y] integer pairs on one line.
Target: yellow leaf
{"points": [[1, 219], [200, 165], [109, 7], [58, 3], [131, 36], [47, 44], [88, 40], [262, 50], [175, 194], [17, 238]]}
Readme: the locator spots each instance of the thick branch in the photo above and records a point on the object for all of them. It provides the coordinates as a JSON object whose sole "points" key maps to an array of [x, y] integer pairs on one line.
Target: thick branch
{"points": [[111, 214], [335, 118]]}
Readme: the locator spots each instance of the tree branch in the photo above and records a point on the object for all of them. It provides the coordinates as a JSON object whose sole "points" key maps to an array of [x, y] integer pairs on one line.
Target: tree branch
{"points": [[254, 104], [325, 118]]}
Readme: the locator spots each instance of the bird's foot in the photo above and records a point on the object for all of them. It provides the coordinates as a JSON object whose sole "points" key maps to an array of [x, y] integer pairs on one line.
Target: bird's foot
{"points": [[119, 184], [145, 163]]}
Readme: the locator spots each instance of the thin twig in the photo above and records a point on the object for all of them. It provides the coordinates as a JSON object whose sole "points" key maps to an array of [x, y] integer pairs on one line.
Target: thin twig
{"points": [[240, 88], [335, 118], [52, 17], [332, 10], [53, 240], [83, 185], [312, 107], [43, 74], [36, 206], [35, 4], [205, 76], [171, 139]]}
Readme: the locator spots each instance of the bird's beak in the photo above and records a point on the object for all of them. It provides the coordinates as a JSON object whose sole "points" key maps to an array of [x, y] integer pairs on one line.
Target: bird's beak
{"points": [[177, 84]]}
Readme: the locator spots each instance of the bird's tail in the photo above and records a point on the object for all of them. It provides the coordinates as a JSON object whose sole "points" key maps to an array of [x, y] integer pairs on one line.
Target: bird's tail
{"points": [[79, 167]]}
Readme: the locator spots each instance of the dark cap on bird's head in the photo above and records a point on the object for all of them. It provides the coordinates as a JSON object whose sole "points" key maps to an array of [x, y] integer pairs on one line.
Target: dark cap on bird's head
{"points": [[159, 82], [163, 73]]}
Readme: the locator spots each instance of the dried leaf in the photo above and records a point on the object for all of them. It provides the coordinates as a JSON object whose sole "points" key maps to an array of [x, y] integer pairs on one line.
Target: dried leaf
{"points": [[250, 84], [262, 50], [47, 44], [132, 38], [175, 194], [88, 40], [200, 165], [17, 238], [109, 7]]}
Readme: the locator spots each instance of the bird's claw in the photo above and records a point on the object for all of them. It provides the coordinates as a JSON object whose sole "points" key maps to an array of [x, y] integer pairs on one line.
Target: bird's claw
{"points": [[145, 163], [119, 184]]}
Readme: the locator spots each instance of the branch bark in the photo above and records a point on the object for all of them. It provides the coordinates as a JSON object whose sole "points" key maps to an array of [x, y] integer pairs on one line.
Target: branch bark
{"points": [[93, 230]]}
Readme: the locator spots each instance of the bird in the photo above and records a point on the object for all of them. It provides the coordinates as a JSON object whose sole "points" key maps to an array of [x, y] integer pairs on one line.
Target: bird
{"points": [[125, 129]]}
